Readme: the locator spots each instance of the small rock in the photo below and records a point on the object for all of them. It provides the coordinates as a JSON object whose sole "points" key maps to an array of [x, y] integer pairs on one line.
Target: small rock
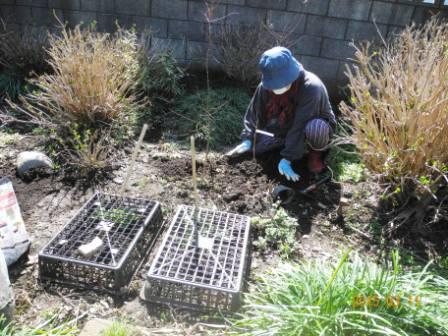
{"points": [[31, 160], [118, 180], [183, 194], [305, 236], [344, 201], [348, 194], [232, 196]]}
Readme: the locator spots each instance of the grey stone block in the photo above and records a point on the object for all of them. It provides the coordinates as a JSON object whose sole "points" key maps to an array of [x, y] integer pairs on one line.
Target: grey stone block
{"points": [[136, 7], [177, 47], [8, 13], [65, 4], [196, 50], [107, 22], [326, 26], [318, 7], [423, 14], [172, 9], [34, 3], [157, 27], [76, 17], [197, 11], [104, 6], [270, 4], [350, 9], [195, 31], [360, 31], [337, 49], [245, 15], [308, 45], [326, 69], [389, 13], [46, 16], [287, 22], [231, 2], [23, 15]]}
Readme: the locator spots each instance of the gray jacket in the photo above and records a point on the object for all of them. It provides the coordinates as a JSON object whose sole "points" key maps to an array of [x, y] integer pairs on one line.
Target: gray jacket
{"points": [[312, 102]]}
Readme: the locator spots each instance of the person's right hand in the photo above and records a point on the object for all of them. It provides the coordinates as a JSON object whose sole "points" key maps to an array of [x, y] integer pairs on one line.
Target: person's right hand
{"points": [[243, 147], [284, 168]]}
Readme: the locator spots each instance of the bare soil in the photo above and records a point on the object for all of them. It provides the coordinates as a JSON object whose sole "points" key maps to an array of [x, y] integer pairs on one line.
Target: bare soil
{"points": [[163, 173]]}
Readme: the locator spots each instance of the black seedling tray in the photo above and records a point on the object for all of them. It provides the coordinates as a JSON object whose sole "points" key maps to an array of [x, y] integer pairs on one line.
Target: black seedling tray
{"points": [[128, 228], [212, 278]]}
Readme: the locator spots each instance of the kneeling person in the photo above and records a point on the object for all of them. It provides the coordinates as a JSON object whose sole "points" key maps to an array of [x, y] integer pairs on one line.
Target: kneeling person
{"points": [[290, 109]]}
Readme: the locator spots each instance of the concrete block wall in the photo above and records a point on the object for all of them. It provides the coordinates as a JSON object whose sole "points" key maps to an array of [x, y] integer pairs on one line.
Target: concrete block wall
{"points": [[323, 29]]}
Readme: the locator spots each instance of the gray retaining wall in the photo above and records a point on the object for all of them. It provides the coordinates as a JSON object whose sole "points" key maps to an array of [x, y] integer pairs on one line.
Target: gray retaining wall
{"points": [[324, 28]]}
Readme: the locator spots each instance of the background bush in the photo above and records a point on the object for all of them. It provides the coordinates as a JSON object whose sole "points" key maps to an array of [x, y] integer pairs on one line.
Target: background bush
{"points": [[322, 298], [398, 109], [159, 78], [216, 114], [239, 48], [22, 56]]}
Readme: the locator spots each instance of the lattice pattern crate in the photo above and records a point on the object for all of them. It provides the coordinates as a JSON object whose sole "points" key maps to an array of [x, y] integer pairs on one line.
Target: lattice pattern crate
{"points": [[127, 227], [207, 275]]}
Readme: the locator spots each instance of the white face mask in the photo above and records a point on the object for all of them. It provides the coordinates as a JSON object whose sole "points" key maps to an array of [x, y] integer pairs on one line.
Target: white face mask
{"points": [[282, 90]]}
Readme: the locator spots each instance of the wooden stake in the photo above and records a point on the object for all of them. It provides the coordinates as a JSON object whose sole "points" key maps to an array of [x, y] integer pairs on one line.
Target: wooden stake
{"points": [[195, 192], [134, 157], [193, 168]]}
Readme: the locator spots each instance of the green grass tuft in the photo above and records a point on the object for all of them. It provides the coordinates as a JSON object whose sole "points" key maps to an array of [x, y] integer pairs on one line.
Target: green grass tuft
{"points": [[118, 329], [355, 297]]}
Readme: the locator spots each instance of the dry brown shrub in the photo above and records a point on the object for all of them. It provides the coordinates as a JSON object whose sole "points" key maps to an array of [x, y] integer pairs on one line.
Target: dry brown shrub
{"points": [[86, 103], [238, 48], [399, 105]]}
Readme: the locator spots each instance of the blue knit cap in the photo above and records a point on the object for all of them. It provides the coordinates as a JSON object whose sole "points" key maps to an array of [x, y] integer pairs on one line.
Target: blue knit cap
{"points": [[279, 68]]}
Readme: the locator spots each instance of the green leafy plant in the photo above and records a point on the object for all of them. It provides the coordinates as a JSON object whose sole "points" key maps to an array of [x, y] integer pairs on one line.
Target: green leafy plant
{"points": [[356, 297], [346, 164], [212, 116], [119, 216], [278, 232], [160, 79], [48, 328]]}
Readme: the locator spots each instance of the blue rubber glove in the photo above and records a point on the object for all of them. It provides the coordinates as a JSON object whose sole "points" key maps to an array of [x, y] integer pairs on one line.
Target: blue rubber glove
{"points": [[284, 167], [243, 147]]}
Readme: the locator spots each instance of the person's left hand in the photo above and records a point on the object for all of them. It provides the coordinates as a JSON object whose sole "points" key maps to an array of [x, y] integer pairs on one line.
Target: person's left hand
{"points": [[284, 168]]}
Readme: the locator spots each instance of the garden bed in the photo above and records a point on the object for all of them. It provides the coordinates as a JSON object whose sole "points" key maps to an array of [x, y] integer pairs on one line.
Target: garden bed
{"points": [[162, 175]]}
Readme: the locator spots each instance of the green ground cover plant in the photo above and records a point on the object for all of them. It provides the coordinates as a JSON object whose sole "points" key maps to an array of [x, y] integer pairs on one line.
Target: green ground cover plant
{"points": [[351, 297], [278, 232], [346, 164], [212, 116]]}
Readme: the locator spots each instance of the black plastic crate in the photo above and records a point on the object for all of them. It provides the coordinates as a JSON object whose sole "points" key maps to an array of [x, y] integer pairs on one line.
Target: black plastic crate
{"points": [[128, 228], [206, 276]]}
